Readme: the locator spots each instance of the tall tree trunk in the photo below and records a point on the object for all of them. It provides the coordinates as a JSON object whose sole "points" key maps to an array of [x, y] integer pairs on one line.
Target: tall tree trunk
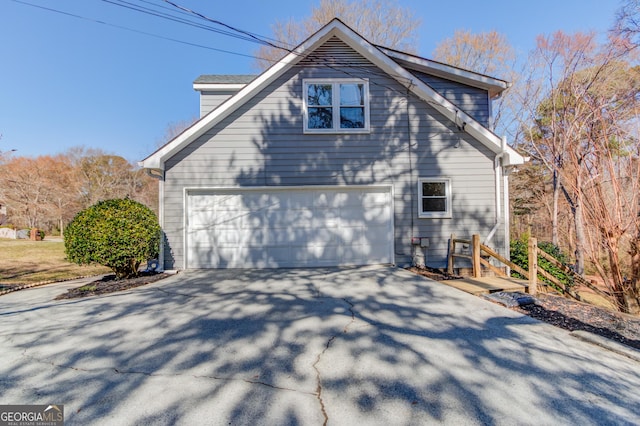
{"points": [[554, 213], [634, 252], [578, 224], [622, 291], [580, 234]]}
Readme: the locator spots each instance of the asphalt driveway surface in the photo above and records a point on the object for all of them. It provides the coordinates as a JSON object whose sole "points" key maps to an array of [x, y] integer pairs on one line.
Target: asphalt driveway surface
{"points": [[372, 345]]}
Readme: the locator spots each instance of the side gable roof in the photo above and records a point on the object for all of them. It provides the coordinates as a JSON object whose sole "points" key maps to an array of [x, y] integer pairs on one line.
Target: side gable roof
{"points": [[493, 85], [367, 50]]}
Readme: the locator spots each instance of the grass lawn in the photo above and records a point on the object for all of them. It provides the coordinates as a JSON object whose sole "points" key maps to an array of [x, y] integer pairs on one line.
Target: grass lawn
{"points": [[28, 262]]}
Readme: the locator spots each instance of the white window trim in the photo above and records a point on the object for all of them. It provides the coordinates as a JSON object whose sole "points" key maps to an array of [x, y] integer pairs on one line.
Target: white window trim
{"points": [[447, 214], [335, 82]]}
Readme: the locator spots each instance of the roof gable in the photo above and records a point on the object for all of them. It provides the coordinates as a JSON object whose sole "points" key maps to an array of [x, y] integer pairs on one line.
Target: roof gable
{"points": [[368, 51], [493, 85]]}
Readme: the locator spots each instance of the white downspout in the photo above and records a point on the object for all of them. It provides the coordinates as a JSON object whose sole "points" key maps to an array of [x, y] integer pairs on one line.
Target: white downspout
{"points": [[507, 219], [159, 175], [497, 171], [161, 220]]}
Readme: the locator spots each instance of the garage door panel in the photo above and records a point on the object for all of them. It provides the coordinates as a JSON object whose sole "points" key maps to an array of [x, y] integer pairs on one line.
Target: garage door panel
{"points": [[298, 200], [378, 214], [211, 219], [323, 236], [376, 236], [351, 215], [228, 238], [375, 199], [285, 218], [353, 254], [289, 228], [261, 201], [314, 255], [223, 202], [272, 255], [348, 233], [277, 237], [256, 220]]}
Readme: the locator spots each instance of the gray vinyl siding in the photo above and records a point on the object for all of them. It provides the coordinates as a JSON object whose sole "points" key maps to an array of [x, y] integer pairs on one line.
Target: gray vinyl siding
{"points": [[211, 100], [472, 100], [262, 144]]}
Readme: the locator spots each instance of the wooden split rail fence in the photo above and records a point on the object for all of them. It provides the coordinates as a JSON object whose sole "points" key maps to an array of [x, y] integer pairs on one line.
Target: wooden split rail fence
{"points": [[480, 255]]}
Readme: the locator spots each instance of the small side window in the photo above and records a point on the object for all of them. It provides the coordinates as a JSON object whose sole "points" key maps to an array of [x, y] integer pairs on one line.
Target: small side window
{"points": [[434, 198]]}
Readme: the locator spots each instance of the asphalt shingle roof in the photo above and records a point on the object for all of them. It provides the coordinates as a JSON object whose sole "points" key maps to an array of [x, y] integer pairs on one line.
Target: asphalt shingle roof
{"points": [[225, 78]]}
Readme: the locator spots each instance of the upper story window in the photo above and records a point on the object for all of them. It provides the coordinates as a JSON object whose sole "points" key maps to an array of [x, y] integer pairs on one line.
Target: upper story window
{"points": [[434, 198], [336, 106]]}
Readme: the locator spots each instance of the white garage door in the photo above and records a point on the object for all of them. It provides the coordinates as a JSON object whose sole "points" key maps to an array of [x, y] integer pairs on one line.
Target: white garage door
{"points": [[289, 227]]}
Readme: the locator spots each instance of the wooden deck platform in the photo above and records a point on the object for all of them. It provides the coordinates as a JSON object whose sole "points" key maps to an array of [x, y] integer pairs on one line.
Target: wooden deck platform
{"points": [[487, 285]]}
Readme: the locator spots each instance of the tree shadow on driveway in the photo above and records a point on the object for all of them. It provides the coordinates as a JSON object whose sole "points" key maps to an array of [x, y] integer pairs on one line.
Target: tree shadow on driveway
{"points": [[374, 345]]}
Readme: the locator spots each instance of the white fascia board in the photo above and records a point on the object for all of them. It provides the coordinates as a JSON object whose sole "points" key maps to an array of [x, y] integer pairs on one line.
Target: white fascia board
{"points": [[157, 159], [213, 87], [423, 91], [460, 75], [359, 44]]}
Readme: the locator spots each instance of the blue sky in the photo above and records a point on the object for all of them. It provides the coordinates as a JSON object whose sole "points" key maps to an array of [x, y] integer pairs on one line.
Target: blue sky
{"points": [[67, 82]]}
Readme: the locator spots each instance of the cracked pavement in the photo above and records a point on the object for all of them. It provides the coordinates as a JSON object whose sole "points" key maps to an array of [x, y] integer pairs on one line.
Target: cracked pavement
{"points": [[368, 345]]}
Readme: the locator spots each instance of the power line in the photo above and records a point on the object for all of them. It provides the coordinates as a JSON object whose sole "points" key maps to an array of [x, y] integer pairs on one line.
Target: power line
{"points": [[333, 66], [170, 17], [258, 39], [73, 15], [245, 35]]}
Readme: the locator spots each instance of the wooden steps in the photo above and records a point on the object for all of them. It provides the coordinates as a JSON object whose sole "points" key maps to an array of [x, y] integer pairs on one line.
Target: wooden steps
{"points": [[487, 285]]}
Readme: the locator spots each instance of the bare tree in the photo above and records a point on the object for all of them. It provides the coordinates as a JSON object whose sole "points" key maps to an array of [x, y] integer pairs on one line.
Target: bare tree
{"points": [[612, 187], [47, 191], [552, 66], [24, 187], [582, 129], [61, 204], [487, 53], [382, 22], [627, 24]]}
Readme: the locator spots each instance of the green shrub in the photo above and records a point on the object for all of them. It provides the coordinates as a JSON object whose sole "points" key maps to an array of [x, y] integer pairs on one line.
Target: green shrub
{"points": [[119, 234], [520, 256]]}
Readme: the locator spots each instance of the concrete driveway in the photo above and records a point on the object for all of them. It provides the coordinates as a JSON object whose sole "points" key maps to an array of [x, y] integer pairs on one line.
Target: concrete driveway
{"points": [[372, 345]]}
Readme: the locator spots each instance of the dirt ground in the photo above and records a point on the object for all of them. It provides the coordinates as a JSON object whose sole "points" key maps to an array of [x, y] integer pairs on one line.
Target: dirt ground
{"points": [[109, 284], [572, 315]]}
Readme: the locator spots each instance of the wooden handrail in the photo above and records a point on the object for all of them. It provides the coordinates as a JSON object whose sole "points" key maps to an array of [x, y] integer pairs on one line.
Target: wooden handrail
{"points": [[532, 275], [503, 260], [532, 250], [495, 270], [569, 271]]}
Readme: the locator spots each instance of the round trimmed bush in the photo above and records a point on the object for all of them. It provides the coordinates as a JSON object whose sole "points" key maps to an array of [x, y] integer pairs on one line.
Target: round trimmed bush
{"points": [[119, 234]]}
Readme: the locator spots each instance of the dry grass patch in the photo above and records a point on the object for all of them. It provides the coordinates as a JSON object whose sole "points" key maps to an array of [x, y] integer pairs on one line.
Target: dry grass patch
{"points": [[28, 262]]}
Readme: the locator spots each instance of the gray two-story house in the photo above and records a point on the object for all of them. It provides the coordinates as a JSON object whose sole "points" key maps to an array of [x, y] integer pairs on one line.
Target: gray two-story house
{"points": [[342, 153]]}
